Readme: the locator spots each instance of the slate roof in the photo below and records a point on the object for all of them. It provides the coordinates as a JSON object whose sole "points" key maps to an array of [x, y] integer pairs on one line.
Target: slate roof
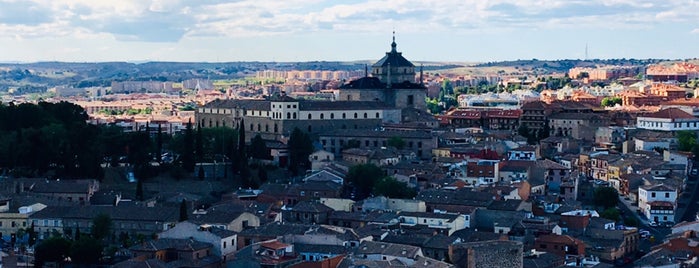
{"points": [[311, 207], [276, 229], [171, 243], [463, 196], [510, 205], [389, 249], [259, 105], [66, 187], [376, 134], [309, 105], [486, 219], [125, 213], [324, 249]]}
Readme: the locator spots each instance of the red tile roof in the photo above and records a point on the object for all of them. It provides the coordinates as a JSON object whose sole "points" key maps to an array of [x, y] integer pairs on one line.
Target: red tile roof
{"points": [[671, 113]]}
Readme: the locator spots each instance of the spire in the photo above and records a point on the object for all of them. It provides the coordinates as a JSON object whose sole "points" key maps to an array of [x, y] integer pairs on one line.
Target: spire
{"points": [[393, 45]]}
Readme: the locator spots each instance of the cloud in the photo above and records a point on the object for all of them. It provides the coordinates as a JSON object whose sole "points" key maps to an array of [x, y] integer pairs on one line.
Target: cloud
{"points": [[172, 20]]}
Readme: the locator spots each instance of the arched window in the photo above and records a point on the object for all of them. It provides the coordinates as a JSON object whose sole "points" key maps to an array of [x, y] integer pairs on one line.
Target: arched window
{"points": [[355, 115], [366, 116], [322, 116], [210, 123], [276, 128], [344, 116], [332, 116], [288, 115], [259, 127], [251, 127], [294, 114], [377, 115], [266, 128], [310, 117]]}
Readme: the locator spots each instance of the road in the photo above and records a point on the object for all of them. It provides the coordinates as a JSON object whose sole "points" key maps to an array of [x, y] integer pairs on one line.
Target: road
{"points": [[687, 203]]}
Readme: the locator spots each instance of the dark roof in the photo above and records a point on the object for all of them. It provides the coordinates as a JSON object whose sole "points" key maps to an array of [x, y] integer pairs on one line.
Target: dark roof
{"points": [[67, 187], [376, 134], [260, 105], [372, 216], [388, 249], [130, 213], [464, 197], [471, 235], [276, 229], [440, 241], [446, 216], [487, 219], [393, 58], [311, 206], [216, 216], [510, 205], [324, 249], [171, 243], [375, 83], [342, 105]]}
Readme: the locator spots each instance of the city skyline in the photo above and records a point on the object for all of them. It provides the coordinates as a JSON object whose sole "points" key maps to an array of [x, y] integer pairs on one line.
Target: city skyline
{"points": [[310, 30]]}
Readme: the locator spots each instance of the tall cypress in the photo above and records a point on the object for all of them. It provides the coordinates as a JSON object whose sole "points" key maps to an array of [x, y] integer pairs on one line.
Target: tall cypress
{"points": [[199, 145], [188, 161], [159, 144]]}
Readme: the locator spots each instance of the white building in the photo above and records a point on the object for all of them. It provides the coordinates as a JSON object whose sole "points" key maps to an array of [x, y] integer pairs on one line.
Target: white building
{"points": [[224, 241], [525, 153], [657, 202], [670, 119]]}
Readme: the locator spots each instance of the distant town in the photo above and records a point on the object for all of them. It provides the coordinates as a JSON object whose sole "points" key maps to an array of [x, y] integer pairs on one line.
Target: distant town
{"points": [[382, 163]]}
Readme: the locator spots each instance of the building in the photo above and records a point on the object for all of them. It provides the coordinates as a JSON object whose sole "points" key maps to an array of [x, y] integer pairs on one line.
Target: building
{"points": [[561, 245], [576, 125], [657, 202], [276, 118], [392, 81], [495, 253], [418, 142], [224, 241], [670, 119]]}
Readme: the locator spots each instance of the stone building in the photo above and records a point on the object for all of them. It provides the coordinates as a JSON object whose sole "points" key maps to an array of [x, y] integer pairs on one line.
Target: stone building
{"points": [[487, 254], [385, 97]]}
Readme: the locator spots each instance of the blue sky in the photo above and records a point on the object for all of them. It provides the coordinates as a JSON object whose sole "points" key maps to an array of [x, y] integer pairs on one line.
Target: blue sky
{"points": [[308, 30]]}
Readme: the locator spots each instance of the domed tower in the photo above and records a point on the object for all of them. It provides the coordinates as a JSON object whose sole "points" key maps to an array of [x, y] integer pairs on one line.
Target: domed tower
{"points": [[394, 68]]}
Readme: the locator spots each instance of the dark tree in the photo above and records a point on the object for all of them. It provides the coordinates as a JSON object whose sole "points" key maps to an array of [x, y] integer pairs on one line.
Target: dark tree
{"points": [[183, 211], [77, 233], [139, 190], [300, 147], [187, 153], [86, 251], [199, 144], [159, 144], [241, 142], [258, 148], [54, 249], [101, 226], [363, 178], [396, 142], [606, 197], [262, 175], [32, 235], [392, 188]]}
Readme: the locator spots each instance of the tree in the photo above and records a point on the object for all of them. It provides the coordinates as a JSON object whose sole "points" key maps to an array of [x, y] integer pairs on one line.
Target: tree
{"points": [[32, 235], [241, 142], [187, 152], [611, 101], [686, 140], [139, 190], [53, 249], [363, 177], [86, 251], [101, 226], [396, 142], [606, 197], [351, 144], [159, 144], [258, 148], [300, 147], [262, 175], [184, 214], [77, 233], [199, 145], [392, 188], [611, 214]]}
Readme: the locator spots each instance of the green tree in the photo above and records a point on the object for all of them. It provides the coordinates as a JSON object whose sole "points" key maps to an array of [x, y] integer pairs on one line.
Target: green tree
{"points": [[300, 147], [184, 212], [611, 214], [611, 101], [32, 235], [686, 140], [187, 152], [258, 148], [351, 144], [392, 188], [139, 189], [606, 197], [86, 251], [54, 249], [396, 142], [101, 226], [363, 178], [199, 145]]}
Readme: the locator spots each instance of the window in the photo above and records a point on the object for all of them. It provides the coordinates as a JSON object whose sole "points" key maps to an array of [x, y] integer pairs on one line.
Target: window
{"points": [[377, 115], [652, 195], [322, 116], [355, 115], [310, 117], [366, 116], [344, 116], [411, 99], [224, 244], [667, 195], [288, 115]]}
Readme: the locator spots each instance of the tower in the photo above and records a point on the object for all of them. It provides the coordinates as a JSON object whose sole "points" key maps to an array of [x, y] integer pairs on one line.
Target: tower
{"points": [[393, 68]]}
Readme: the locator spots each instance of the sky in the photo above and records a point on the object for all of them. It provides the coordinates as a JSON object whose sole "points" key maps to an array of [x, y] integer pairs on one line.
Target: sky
{"points": [[317, 30]]}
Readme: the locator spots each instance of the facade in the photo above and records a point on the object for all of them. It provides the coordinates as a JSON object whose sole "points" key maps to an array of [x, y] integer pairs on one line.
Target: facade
{"points": [[223, 241], [275, 118], [561, 245], [576, 125], [657, 202], [670, 119], [418, 142]]}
